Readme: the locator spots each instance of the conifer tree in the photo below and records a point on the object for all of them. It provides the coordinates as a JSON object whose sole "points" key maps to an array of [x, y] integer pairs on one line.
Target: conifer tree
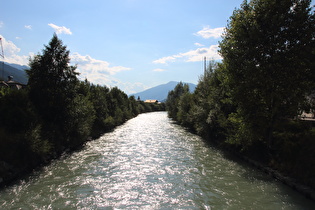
{"points": [[66, 115], [52, 81]]}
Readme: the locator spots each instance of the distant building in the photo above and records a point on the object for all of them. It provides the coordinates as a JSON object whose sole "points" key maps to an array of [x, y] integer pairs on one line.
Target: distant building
{"points": [[151, 101], [12, 84]]}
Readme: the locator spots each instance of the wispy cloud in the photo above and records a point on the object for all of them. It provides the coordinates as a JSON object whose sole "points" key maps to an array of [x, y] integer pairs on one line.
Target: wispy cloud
{"points": [[208, 32], [199, 45], [1, 24], [60, 29], [192, 55], [28, 27], [166, 59]]}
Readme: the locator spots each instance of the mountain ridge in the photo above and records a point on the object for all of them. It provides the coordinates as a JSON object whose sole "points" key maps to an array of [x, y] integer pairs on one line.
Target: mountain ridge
{"points": [[15, 70], [160, 92]]}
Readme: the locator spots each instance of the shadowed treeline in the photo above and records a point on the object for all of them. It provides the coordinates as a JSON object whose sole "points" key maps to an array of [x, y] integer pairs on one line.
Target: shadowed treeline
{"points": [[56, 112], [251, 102]]}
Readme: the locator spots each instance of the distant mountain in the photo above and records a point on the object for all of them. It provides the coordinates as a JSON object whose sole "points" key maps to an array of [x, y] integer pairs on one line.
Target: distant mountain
{"points": [[160, 92], [15, 70], [17, 66]]}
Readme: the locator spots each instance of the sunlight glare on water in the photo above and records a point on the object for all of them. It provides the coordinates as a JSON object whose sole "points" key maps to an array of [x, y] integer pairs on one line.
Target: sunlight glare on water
{"points": [[150, 163]]}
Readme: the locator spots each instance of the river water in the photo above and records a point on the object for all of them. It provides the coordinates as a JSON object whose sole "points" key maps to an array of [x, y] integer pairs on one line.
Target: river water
{"points": [[150, 163]]}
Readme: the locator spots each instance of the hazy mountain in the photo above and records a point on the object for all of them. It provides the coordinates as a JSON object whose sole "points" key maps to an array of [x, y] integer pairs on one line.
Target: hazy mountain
{"points": [[160, 92], [15, 70], [17, 66]]}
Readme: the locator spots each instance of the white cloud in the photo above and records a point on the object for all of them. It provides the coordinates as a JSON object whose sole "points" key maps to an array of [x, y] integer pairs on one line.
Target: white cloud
{"points": [[165, 59], [11, 53], [193, 55], [131, 88], [208, 32], [60, 29], [96, 71], [87, 63], [200, 53], [199, 45], [28, 27], [1, 24], [102, 73]]}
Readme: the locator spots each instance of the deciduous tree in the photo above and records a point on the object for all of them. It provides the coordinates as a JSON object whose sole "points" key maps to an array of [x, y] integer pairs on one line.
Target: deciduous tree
{"points": [[268, 52]]}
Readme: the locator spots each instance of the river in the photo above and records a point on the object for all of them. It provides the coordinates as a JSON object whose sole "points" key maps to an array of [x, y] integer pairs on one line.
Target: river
{"points": [[150, 163]]}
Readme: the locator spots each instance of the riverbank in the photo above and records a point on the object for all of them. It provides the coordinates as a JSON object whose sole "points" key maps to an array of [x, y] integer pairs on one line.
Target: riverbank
{"points": [[285, 147], [289, 181], [11, 173], [305, 190], [150, 163], [282, 177]]}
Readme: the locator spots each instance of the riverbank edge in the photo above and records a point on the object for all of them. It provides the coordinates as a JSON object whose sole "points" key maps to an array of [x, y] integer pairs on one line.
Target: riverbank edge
{"points": [[305, 190], [291, 182], [12, 174], [15, 174]]}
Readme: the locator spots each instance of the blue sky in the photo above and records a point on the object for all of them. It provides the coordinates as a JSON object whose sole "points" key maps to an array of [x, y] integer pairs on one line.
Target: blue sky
{"points": [[131, 44]]}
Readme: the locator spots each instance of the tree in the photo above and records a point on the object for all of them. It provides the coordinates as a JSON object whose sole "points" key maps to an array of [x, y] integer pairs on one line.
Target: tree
{"points": [[211, 105], [173, 97], [52, 81], [65, 114], [268, 54], [185, 104]]}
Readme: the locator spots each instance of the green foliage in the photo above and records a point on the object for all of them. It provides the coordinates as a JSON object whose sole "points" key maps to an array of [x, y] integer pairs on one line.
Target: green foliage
{"points": [[52, 81], [54, 91], [185, 104], [57, 112], [38, 145], [17, 116], [294, 143], [79, 122], [212, 102], [133, 106], [250, 101], [173, 98], [15, 110], [206, 110], [4, 91], [12, 147], [268, 56]]}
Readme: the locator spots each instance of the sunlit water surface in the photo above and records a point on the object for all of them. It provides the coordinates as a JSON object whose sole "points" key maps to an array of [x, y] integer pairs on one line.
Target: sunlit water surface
{"points": [[150, 163]]}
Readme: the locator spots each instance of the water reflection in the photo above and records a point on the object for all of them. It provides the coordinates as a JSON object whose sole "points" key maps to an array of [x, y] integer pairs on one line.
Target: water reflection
{"points": [[150, 163]]}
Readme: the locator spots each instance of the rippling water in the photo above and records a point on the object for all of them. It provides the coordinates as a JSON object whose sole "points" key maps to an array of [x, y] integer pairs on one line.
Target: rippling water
{"points": [[150, 163]]}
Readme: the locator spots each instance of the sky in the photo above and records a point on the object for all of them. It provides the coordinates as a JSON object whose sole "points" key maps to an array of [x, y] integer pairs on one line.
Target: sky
{"points": [[131, 44]]}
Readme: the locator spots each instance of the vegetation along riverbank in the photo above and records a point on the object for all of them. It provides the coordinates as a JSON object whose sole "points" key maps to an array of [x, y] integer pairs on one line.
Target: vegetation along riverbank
{"points": [[252, 101], [56, 113]]}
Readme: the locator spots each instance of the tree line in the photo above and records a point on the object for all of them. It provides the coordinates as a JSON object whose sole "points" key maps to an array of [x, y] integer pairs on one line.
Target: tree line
{"points": [[57, 112], [250, 102]]}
